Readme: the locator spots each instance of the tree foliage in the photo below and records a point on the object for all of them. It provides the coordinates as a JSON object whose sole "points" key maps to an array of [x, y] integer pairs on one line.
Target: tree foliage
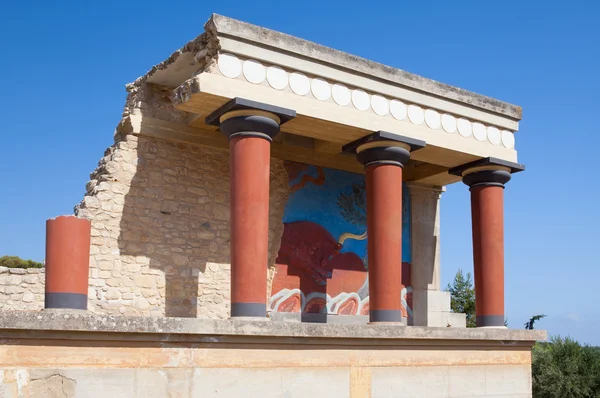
{"points": [[17, 262], [529, 324], [353, 204], [564, 368], [463, 296]]}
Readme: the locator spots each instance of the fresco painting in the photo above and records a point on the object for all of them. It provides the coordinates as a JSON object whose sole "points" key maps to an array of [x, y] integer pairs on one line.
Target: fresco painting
{"points": [[322, 262]]}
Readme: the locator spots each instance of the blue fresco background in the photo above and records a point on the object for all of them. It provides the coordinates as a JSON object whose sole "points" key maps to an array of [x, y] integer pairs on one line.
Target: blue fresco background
{"points": [[318, 203]]}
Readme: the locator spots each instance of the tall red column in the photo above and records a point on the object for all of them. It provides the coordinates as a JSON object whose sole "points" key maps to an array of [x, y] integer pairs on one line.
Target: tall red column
{"points": [[67, 262], [250, 127], [384, 155], [486, 179], [487, 214], [249, 206], [384, 229]]}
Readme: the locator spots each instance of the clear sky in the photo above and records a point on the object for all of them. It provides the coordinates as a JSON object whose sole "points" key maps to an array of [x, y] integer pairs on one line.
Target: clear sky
{"points": [[64, 65]]}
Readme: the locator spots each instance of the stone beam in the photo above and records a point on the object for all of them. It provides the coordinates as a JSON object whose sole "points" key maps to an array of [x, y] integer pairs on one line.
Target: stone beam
{"points": [[289, 148]]}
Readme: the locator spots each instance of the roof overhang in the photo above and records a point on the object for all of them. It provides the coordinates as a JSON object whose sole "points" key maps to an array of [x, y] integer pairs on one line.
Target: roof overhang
{"points": [[338, 97]]}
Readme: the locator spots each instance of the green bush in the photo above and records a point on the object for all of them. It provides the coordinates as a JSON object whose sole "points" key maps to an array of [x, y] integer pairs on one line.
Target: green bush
{"points": [[17, 262], [564, 368]]}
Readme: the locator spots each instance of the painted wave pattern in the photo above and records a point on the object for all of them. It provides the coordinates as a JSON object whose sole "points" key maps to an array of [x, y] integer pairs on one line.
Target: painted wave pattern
{"points": [[294, 300]]}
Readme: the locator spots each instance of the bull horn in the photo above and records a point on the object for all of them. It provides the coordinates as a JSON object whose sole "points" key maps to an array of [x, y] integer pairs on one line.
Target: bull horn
{"points": [[348, 235]]}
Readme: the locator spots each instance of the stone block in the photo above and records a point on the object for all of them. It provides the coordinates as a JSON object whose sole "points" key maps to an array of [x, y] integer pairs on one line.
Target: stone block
{"points": [[106, 265], [28, 298], [435, 301], [507, 379], [112, 294], [456, 320], [446, 319], [102, 383], [466, 381], [51, 384], [141, 303], [145, 281], [13, 289], [155, 383], [31, 279], [15, 279], [400, 382], [274, 382]]}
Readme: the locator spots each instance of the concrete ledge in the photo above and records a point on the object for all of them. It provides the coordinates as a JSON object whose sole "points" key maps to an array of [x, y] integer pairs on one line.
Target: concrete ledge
{"points": [[23, 325], [319, 318]]}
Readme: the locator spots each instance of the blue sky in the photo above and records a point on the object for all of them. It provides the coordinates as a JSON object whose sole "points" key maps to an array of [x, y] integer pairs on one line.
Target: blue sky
{"points": [[64, 66]]}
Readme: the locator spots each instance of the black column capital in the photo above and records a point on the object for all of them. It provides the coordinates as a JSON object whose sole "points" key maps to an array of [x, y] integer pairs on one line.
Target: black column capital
{"points": [[383, 147], [246, 118], [487, 172]]}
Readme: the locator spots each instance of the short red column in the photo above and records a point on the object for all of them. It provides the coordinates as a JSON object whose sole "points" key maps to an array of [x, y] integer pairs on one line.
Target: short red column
{"points": [[67, 262], [384, 155], [486, 179], [384, 229], [250, 127]]}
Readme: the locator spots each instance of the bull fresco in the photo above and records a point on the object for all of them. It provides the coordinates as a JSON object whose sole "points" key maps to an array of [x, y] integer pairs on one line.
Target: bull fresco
{"points": [[322, 262]]}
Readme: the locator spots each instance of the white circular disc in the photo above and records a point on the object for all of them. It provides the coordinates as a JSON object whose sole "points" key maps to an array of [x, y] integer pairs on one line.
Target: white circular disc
{"points": [[464, 127], [449, 123], [341, 95], [299, 83], [320, 89], [277, 77], [416, 114], [380, 105], [361, 100], [479, 131], [398, 109], [229, 65], [254, 71], [493, 135], [432, 118], [508, 139]]}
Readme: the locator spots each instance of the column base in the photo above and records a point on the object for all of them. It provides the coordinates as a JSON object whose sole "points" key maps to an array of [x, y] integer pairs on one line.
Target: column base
{"points": [[387, 316], [252, 310], [69, 301], [489, 321]]}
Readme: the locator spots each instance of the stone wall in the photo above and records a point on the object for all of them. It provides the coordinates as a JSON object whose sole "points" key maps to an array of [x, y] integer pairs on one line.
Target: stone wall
{"points": [[21, 289], [160, 228]]}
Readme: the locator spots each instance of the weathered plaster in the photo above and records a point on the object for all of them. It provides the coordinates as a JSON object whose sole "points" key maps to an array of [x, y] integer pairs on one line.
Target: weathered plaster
{"points": [[66, 354], [167, 328]]}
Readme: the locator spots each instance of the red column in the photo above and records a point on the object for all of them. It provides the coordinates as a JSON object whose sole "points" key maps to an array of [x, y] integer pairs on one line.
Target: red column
{"points": [[67, 262], [487, 211], [384, 155], [249, 195], [486, 179], [250, 127], [384, 227]]}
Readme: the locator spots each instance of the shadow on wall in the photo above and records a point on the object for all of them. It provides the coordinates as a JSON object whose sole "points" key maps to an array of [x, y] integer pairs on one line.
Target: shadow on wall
{"points": [[176, 214]]}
